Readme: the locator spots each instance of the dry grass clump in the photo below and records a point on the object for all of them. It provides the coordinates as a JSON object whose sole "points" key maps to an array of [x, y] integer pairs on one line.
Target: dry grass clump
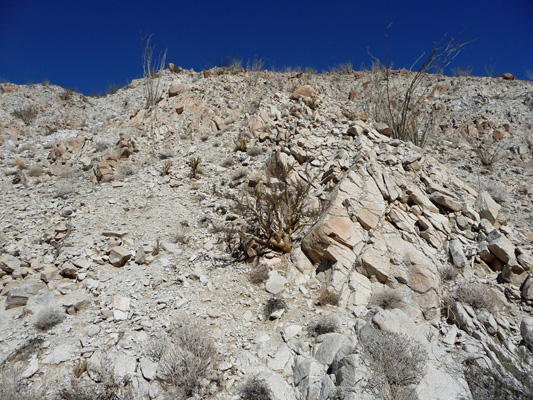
{"points": [[258, 274], [182, 234], [477, 296], [228, 162], [239, 174], [49, 318], [498, 192], [166, 167], [447, 273], [25, 114], [241, 143], [489, 150], [397, 363], [255, 389], [328, 297], [195, 165], [273, 304], [186, 357], [387, 299], [254, 151], [13, 387], [327, 324]]}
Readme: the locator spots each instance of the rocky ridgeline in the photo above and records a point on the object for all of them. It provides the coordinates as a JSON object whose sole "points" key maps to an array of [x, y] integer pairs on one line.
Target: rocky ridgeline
{"points": [[110, 246]]}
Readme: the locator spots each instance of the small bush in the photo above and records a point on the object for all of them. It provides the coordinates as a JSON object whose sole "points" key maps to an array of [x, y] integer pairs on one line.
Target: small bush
{"points": [[35, 171], [258, 274], [255, 389], [462, 71], [166, 167], [328, 324], [273, 304], [397, 363], [489, 150], [49, 318], [448, 273], [477, 296], [26, 114], [186, 358], [13, 387], [387, 299], [254, 151], [241, 143], [19, 162], [151, 70], [194, 163], [327, 296]]}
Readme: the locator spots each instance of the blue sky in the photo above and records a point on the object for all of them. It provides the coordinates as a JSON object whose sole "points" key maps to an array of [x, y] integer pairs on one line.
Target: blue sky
{"points": [[89, 45]]}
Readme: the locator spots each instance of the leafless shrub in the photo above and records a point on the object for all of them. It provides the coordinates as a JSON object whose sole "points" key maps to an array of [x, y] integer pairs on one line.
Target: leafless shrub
{"points": [[327, 296], [227, 162], [498, 192], [241, 143], [401, 108], [13, 387], [166, 167], [327, 324], [529, 74], [187, 358], [273, 304], [124, 170], [255, 389], [489, 150], [27, 350], [66, 94], [447, 273], [239, 174], [258, 274], [387, 299], [477, 296], [49, 318], [109, 386], [151, 70], [397, 363], [194, 164], [26, 114], [277, 209], [182, 234], [462, 71]]}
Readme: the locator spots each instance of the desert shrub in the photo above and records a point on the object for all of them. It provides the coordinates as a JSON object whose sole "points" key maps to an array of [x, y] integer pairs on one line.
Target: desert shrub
{"points": [[276, 209], [185, 358], [66, 94], [241, 143], [254, 151], [462, 71], [151, 70], [49, 318], [13, 387], [258, 274], [108, 387], [327, 324], [477, 296], [396, 361], [112, 89], [25, 114], [227, 162], [400, 107], [19, 162], [239, 174], [327, 296], [272, 305], [387, 299], [194, 164], [165, 170], [447, 273], [255, 389], [489, 150], [498, 192], [182, 234], [529, 74], [35, 171]]}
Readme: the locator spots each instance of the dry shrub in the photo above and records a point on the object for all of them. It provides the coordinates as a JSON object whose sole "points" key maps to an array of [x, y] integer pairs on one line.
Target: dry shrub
{"points": [[273, 304], [186, 357], [228, 162], [327, 296], [477, 296], [258, 274], [254, 151], [387, 299], [489, 150], [13, 387], [25, 114], [397, 363], [276, 209], [239, 174], [241, 143], [166, 167], [255, 389], [182, 233], [328, 324], [447, 273], [194, 164], [49, 318]]}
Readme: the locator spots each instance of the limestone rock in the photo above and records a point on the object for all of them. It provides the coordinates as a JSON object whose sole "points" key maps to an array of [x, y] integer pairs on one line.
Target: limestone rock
{"points": [[118, 256], [275, 283], [19, 295], [303, 91], [487, 207], [526, 329], [8, 263], [457, 254]]}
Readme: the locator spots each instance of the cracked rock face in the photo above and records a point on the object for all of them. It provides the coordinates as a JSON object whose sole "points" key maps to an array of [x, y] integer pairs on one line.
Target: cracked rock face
{"points": [[118, 259]]}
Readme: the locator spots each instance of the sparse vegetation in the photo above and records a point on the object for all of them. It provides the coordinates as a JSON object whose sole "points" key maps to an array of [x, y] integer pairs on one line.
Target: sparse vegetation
{"points": [[185, 357], [327, 324], [258, 274], [13, 387], [401, 108], [477, 296], [151, 70], [241, 143], [26, 114], [396, 361], [255, 389], [273, 304], [462, 71], [328, 297], [166, 167], [387, 299], [194, 164], [49, 318], [489, 150], [276, 209]]}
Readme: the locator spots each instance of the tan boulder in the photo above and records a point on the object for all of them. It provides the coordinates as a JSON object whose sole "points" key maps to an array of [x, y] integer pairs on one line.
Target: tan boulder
{"points": [[303, 91], [177, 89]]}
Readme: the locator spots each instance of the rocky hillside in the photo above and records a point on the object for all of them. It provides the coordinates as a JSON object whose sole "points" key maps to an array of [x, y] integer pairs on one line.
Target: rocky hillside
{"points": [[261, 235]]}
